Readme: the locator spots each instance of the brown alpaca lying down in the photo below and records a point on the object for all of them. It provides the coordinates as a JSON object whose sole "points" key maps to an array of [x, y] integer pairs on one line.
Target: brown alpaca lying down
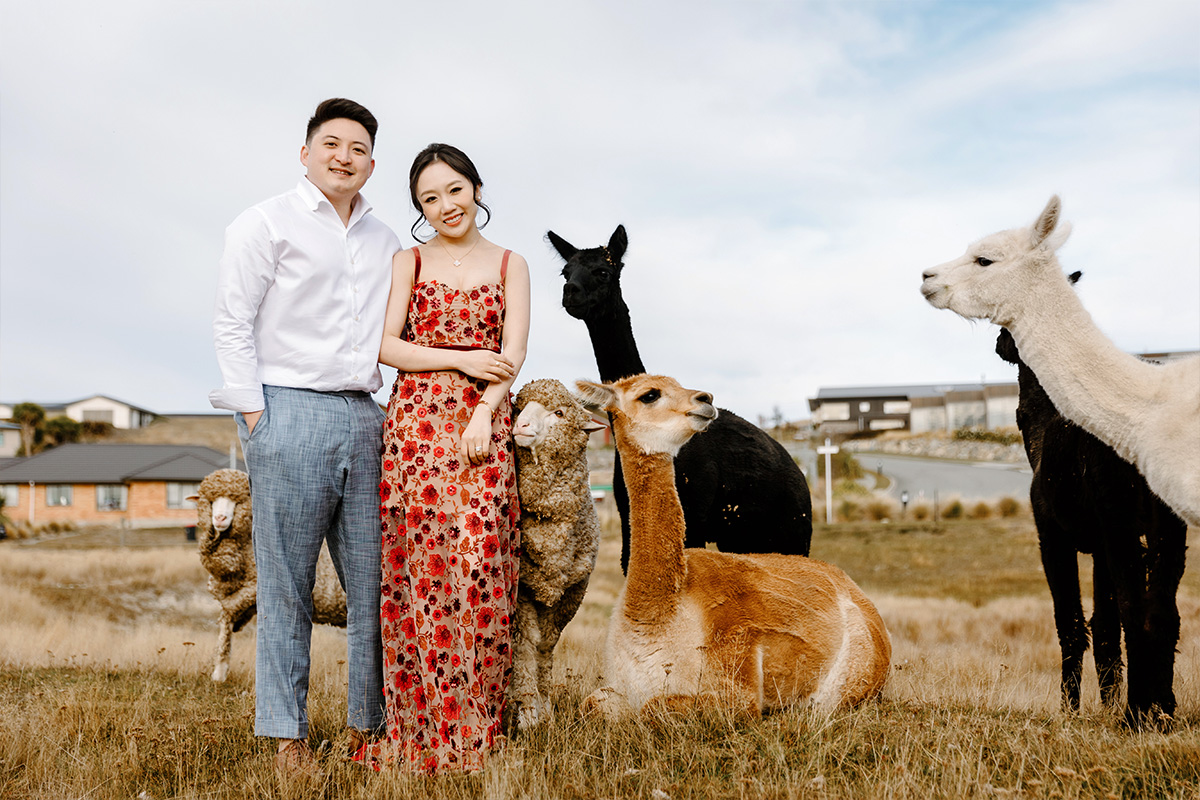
{"points": [[756, 630]]}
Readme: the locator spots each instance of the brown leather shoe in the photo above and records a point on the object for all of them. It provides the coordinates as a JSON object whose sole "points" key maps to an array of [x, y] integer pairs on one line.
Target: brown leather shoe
{"points": [[296, 761]]}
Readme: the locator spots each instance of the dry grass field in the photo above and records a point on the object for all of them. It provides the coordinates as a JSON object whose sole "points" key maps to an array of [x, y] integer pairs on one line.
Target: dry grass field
{"points": [[104, 692]]}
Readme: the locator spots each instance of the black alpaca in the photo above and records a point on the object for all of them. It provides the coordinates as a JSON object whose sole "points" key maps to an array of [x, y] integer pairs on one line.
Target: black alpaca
{"points": [[1087, 499], [738, 486]]}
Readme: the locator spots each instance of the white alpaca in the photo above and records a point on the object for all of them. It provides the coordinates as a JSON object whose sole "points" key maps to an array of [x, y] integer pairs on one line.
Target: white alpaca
{"points": [[1148, 413]]}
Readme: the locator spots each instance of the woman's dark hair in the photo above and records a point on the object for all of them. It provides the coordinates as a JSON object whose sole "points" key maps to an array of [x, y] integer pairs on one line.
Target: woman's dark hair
{"points": [[341, 108], [456, 160]]}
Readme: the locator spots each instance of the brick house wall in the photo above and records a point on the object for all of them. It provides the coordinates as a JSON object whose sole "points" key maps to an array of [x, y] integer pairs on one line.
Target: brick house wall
{"points": [[146, 506]]}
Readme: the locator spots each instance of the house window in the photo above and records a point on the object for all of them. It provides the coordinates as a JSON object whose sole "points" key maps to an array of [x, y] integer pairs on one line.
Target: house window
{"points": [[897, 406], [11, 493], [111, 498], [864, 407], [835, 411], [58, 494], [98, 415], [177, 494]]}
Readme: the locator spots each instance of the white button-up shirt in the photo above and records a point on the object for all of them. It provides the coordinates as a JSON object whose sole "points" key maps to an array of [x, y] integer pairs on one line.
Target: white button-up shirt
{"points": [[301, 298]]}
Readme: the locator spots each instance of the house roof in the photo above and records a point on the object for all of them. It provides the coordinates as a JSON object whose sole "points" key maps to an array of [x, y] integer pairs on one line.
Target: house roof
{"points": [[908, 391], [115, 463], [60, 406]]}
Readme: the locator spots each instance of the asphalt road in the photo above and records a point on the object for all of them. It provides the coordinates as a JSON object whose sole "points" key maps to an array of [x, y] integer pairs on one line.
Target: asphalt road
{"points": [[921, 477]]}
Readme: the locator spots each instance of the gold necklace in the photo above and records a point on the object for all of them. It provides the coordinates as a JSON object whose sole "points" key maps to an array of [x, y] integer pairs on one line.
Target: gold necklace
{"points": [[458, 261]]}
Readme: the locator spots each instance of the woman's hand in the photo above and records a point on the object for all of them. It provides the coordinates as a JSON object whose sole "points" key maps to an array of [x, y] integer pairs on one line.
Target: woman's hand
{"points": [[476, 441], [486, 365]]}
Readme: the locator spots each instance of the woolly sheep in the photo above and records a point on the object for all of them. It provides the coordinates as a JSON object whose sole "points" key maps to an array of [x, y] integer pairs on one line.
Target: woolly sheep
{"points": [[560, 534], [223, 522]]}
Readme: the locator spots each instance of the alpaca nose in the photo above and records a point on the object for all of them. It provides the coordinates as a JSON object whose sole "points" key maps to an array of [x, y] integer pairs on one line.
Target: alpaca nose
{"points": [[927, 274], [703, 397]]}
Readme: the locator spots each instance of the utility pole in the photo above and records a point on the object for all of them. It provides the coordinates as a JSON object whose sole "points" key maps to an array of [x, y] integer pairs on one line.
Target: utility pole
{"points": [[828, 450]]}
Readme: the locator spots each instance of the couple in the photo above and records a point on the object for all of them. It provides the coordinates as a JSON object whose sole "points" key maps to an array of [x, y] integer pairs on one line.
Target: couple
{"points": [[419, 507]]}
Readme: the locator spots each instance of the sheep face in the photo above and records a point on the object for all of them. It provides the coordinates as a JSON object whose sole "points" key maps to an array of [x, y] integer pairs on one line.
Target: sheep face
{"points": [[222, 513], [545, 405], [223, 501], [997, 275]]}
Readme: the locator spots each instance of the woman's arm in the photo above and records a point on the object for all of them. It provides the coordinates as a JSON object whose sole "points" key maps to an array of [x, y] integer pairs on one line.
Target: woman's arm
{"points": [[514, 345], [409, 357]]}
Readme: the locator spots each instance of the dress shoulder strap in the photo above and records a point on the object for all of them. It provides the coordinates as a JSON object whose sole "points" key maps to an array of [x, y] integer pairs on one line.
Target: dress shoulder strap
{"points": [[417, 266], [504, 265]]}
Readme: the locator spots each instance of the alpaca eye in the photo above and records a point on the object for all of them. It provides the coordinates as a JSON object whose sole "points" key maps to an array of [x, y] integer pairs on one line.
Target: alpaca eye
{"points": [[984, 262], [650, 396], [558, 412], [602, 274]]}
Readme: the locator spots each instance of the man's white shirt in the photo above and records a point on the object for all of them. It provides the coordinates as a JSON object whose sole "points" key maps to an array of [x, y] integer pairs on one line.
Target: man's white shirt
{"points": [[301, 298]]}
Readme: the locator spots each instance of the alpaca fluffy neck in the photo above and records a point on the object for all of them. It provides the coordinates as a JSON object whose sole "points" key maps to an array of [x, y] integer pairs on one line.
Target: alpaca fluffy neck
{"points": [[1089, 379], [656, 532], [612, 341]]}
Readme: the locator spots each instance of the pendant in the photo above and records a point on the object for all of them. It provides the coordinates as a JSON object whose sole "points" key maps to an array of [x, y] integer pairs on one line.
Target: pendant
{"points": [[457, 263]]}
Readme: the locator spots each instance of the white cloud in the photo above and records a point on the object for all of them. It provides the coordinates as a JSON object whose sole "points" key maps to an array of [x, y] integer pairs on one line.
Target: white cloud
{"points": [[785, 171]]}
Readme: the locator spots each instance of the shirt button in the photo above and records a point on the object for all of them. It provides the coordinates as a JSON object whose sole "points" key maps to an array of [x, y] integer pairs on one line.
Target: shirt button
{"points": [[356, 319], [356, 348]]}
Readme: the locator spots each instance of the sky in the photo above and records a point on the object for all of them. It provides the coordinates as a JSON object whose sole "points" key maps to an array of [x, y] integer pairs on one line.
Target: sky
{"points": [[785, 171]]}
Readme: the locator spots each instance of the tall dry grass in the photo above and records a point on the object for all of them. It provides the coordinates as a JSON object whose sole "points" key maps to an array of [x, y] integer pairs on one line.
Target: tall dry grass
{"points": [[104, 658]]}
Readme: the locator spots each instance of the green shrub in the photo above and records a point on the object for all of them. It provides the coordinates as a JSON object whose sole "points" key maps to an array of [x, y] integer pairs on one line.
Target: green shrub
{"points": [[879, 510], [1008, 507], [849, 511], [845, 465], [953, 510], [981, 510], [981, 435], [921, 511]]}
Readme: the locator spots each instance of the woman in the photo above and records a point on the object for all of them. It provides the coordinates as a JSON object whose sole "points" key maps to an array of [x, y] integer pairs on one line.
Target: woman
{"points": [[456, 327]]}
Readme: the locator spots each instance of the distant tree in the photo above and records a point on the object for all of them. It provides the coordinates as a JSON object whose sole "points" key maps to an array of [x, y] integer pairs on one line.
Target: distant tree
{"points": [[61, 430], [94, 429], [30, 417]]}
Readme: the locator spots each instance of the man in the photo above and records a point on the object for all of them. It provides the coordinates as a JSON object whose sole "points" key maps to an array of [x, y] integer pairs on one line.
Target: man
{"points": [[301, 293]]}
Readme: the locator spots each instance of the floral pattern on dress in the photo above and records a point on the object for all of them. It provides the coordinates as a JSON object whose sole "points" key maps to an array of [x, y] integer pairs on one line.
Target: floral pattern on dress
{"points": [[450, 549]]}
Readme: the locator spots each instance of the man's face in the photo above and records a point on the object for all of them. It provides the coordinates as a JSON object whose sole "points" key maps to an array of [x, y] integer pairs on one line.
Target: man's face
{"points": [[338, 158]]}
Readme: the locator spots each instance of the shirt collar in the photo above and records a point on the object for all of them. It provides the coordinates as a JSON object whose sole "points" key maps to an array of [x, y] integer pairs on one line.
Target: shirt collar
{"points": [[314, 197]]}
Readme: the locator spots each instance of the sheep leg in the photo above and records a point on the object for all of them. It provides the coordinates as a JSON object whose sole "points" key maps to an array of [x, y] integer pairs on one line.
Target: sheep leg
{"points": [[552, 624], [524, 687], [224, 634], [1061, 565], [1106, 631]]}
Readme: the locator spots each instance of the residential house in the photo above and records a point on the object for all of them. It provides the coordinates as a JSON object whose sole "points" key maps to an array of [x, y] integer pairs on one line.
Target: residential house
{"points": [[137, 485], [918, 408], [10, 439], [96, 408]]}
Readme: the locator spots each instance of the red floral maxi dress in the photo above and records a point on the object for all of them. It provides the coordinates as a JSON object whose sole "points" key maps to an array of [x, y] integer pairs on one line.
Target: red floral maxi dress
{"points": [[450, 546]]}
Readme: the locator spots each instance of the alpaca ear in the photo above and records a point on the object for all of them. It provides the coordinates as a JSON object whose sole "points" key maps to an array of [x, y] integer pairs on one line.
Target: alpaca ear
{"points": [[1006, 347], [564, 248], [595, 397], [1074, 277], [618, 243], [1046, 222], [1058, 238]]}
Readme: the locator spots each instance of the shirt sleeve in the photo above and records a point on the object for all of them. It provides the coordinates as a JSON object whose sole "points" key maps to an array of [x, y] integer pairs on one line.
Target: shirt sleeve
{"points": [[246, 272]]}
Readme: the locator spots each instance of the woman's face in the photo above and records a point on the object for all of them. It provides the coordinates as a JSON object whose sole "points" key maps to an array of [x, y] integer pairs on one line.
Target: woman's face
{"points": [[447, 200]]}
